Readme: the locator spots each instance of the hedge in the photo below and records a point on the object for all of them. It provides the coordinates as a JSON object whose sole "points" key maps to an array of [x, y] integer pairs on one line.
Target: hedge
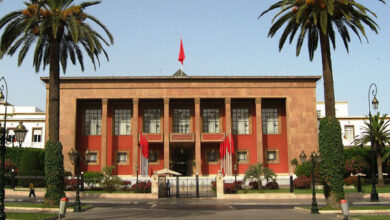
{"points": [[54, 173], [14, 154]]}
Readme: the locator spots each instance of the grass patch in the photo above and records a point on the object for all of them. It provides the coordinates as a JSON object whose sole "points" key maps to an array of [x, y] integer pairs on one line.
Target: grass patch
{"points": [[372, 217], [324, 208], [103, 191], [39, 205], [30, 216]]}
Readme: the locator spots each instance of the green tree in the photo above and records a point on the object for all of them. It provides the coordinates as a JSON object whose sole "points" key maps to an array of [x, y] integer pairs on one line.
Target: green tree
{"points": [[255, 173], [54, 172], [59, 30], [380, 128], [318, 19]]}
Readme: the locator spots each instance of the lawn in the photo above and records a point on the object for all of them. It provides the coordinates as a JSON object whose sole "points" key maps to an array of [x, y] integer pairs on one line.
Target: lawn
{"points": [[29, 216], [372, 217], [103, 191]]}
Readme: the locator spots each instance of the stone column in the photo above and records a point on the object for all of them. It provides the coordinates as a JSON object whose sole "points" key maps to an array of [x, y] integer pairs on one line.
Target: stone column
{"points": [[166, 133], [219, 186], [198, 161], [155, 186], [259, 131], [134, 133], [103, 133]]}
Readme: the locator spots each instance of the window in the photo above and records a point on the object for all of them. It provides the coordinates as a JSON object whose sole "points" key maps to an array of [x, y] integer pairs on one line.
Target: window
{"points": [[211, 120], [121, 157], [93, 119], [181, 121], [93, 158], [349, 132], [37, 135], [270, 120], [152, 120], [153, 156], [122, 121], [272, 156], [212, 156], [240, 121], [242, 156]]}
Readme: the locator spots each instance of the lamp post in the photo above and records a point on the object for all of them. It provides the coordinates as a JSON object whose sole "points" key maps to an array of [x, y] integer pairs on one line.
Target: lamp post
{"points": [[372, 89], [302, 157], [235, 177], [3, 89], [315, 157], [74, 157], [20, 133], [136, 182]]}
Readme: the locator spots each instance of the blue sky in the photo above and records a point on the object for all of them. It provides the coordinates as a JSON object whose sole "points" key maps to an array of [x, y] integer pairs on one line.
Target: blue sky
{"points": [[220, 38]]}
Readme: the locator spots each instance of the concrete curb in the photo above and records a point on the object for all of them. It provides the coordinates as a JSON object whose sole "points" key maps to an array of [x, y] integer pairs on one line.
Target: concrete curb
{"points": [[42, 209]]}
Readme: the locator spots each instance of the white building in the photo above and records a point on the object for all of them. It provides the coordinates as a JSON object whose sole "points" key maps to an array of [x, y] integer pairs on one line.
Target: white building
{"points": [[351, 126], [33, 119]]}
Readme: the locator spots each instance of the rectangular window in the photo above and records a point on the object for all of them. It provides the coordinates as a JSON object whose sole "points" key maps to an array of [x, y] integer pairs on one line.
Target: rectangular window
{"points": [[349, 132], [153, 156], [242, 156], [93, 158], [240, 120], [272, 156], [122, 121], [151, 119], [93, 120], [212, 156], [270, 120], [211, 120], [121, 158], [181, 120], [37, 135]]}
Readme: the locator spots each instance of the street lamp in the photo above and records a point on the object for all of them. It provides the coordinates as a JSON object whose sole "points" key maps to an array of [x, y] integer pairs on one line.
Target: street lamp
{"points": [[74, 157], [302, 157], [3, 99], [235, 177], [372, 89], [20, 133], [315, 158]]}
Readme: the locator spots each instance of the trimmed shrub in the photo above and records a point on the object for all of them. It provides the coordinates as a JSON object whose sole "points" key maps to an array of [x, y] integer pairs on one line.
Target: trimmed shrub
{"points": [[303, 169], [332, 163], [14, 155], [30, 167], [92, 178], [70, 184], [356, 164], [272, 185], [302, 182], [54, 173], [254, 185], [351, 180], [110, 183], [142, 187], [229, 188]]}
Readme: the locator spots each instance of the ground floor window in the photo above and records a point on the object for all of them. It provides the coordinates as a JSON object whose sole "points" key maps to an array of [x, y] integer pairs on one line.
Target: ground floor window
{"points": [[94, 157], [211, 156], [242, 156], [272, 156], [153, 156], [121, 157]]}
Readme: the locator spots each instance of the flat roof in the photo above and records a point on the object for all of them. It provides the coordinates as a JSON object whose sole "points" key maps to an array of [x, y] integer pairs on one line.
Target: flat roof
{"points": [[187, 78]]}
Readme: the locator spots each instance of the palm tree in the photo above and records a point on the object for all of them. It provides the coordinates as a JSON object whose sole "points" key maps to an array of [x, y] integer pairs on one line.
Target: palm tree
{"points": [[380, 128], [59, 30], [318, 19]]}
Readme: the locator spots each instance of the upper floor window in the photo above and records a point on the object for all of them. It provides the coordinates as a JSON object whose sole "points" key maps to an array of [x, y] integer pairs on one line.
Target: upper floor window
{"points": [[37, 135], [240, 120], [181, 120], [211, 120], [122, 121], [270, 120], [121, 158], [349, 132], [93, 120], [152, 120]]}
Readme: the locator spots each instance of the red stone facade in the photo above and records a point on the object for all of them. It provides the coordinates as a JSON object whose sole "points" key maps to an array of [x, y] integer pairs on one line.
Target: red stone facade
{"points": [[295, 127]]}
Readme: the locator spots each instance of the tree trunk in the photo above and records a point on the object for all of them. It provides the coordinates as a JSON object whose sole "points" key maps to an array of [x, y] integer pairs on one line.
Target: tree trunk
{"points": [[54, 88], [327, 76], [379, 165]]}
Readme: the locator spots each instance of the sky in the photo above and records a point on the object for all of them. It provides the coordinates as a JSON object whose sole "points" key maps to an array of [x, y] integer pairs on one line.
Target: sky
{"points": [[220, 38]]}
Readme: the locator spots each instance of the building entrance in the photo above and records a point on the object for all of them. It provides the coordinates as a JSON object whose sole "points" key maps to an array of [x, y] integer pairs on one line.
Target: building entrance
{"points": [[182, 158]]}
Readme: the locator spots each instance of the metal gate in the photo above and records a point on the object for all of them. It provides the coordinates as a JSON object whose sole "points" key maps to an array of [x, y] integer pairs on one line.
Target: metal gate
{"points": [[191, 187]]}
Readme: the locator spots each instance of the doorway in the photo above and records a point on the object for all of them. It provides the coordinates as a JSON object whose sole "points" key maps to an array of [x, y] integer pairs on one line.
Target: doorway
{"points": [[182, 158]]}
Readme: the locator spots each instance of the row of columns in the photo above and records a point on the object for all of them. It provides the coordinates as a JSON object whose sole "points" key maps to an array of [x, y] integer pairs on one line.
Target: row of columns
{"points": [[198, 130]]}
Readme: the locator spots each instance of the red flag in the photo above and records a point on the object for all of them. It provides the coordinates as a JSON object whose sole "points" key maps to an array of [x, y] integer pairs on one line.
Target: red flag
{"points": [[227, 144], [182, 56], [145, 146], [231, 143]]}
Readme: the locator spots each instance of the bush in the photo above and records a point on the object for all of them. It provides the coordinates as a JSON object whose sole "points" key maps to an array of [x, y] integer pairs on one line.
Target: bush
{"points": [[356, 164], [30, 166], [333, 163], [92, 178], [14, 155], [70, 184], [110, 183], [303, 169], [214, 186], [302, 182], [229, 188], [142, 187], [54, 173], [239, 184], [351, 180], [126, 184], [254, 185], [272, 185]]}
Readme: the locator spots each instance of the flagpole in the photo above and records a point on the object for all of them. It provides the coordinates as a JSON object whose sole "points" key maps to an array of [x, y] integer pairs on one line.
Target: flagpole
{"points": [[181, 70]]}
